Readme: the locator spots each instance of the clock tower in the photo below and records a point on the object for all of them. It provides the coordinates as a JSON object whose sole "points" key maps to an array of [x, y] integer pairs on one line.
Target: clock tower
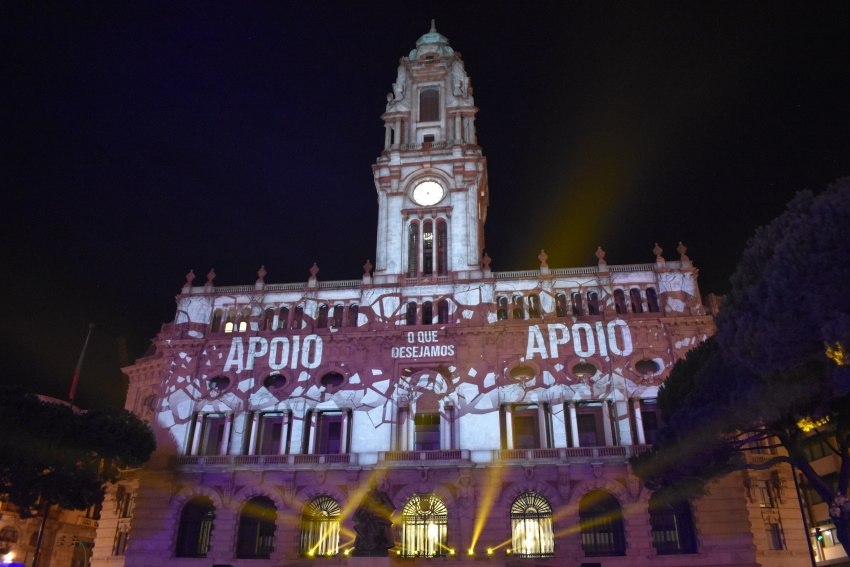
{"points": [[431, 177]]}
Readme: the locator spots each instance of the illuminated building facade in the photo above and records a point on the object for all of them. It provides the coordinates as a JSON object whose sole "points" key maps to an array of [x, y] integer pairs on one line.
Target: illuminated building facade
{"points": [[496, 410]]}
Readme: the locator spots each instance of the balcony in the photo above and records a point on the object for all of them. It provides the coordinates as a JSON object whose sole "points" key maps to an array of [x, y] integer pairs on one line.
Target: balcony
{"points": [[573, 454], [430, 457], [189, 462]]}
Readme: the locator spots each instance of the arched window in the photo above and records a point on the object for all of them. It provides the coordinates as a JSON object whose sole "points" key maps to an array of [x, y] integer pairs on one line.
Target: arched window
{"points": [[244, 317], [353, 313], [561, 305], [672, 526], [255, 539], [413, 249], [518, 307], [442, 248], [427, 247], [410, 315], [429, 105], [651, 300], [601, 523], [531, 526], [230, 322], [322, 317], [637, 305], [320, 527], [339, 311], [442, 311], [502, 309], [593, 307], [195, 528], [578, 308], [534, 306], [216, 321], [427, 313], [268, 319], [424, 523], [283, 318], [620, 301], [297, 318]]}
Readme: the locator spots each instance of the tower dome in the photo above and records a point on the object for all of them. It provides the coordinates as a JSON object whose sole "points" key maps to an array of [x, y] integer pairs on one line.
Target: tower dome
{"points": [[432, 42]]}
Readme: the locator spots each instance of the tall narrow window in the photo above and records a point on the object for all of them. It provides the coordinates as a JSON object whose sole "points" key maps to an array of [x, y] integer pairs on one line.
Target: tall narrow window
{"points": [[427, 313], [578, 308], [442, 248], [212, 434], [531, 526], [620, 301], [502, 309], [270, 439], [634, 296], [651, 300], [353, 314], [268, 319], [255, 539], [322, 317], [601, 523], [329, 433], [195, 527], [429, 105], [589, 425], [518, 307], [244, 319], [428, 248], [525, 426], [283, 318], [215, 327], [534, 306], [593, 307], [561, 305], [413, 249], [320, 527], [443, 311], [339, 311], [424, 526], [410, 314], [774, 535], [672, 526], [230, 322], [297, 318], [650, 418]]}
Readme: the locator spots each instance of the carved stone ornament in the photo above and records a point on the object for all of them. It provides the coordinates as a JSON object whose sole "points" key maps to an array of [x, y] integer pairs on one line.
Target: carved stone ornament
{"points": [[600, 255]]}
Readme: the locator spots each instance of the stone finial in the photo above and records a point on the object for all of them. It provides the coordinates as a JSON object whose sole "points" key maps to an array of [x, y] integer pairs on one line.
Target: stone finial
{"points": [[485, 261], [261, 274], [367, 268], [190, 277], [681, 249], [543, 256], [659, 259], [314, 269], [600, 255], [210, 280]]}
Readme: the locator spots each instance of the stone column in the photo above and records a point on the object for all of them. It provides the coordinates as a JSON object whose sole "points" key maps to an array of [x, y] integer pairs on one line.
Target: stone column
{"points": [[641, 437], [574, 424]]}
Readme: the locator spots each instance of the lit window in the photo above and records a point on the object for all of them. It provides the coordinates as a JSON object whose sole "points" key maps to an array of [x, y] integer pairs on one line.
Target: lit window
{"points": [[424, 523], [601, 523], [255, 539], [320, 527], [230, 322], [195, 528], [672, 527], [531, 526]]}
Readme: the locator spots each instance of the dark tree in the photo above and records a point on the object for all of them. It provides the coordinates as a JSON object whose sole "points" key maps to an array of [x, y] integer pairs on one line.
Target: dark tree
{"points": [[778, 369], [53, 454]]}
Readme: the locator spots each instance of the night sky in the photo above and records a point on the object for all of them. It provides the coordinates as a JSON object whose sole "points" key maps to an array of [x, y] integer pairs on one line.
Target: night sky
{"points": [[144, 139]]}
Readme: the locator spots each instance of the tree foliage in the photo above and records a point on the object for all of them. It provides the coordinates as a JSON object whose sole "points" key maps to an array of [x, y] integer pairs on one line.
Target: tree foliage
{"points": [[780, 355], [52, 453]]}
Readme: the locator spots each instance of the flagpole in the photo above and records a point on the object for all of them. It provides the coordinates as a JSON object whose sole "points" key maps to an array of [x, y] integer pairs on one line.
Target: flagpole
{"points": [[76, 378]]}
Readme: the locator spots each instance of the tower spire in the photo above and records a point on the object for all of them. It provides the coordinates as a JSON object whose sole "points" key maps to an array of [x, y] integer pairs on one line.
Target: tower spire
{"points": [[433, 26]]}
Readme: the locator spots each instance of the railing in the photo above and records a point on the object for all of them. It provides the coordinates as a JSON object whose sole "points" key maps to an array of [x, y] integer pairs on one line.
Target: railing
{"points": [[617, 453], [412, 456], [264, 460]]}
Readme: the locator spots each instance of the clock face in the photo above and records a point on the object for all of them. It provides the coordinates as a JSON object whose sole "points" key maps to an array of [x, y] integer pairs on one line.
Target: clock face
{"points": [[428, 193]]}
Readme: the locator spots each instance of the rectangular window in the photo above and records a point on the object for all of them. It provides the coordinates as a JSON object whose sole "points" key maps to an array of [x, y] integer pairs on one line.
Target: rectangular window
{"points": [[765, 494], [525, 427], [429, 105], [589, 424], [270, 434], [122, 535], [774, 535], [427, 432], [329, 439], [212, 434]]}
